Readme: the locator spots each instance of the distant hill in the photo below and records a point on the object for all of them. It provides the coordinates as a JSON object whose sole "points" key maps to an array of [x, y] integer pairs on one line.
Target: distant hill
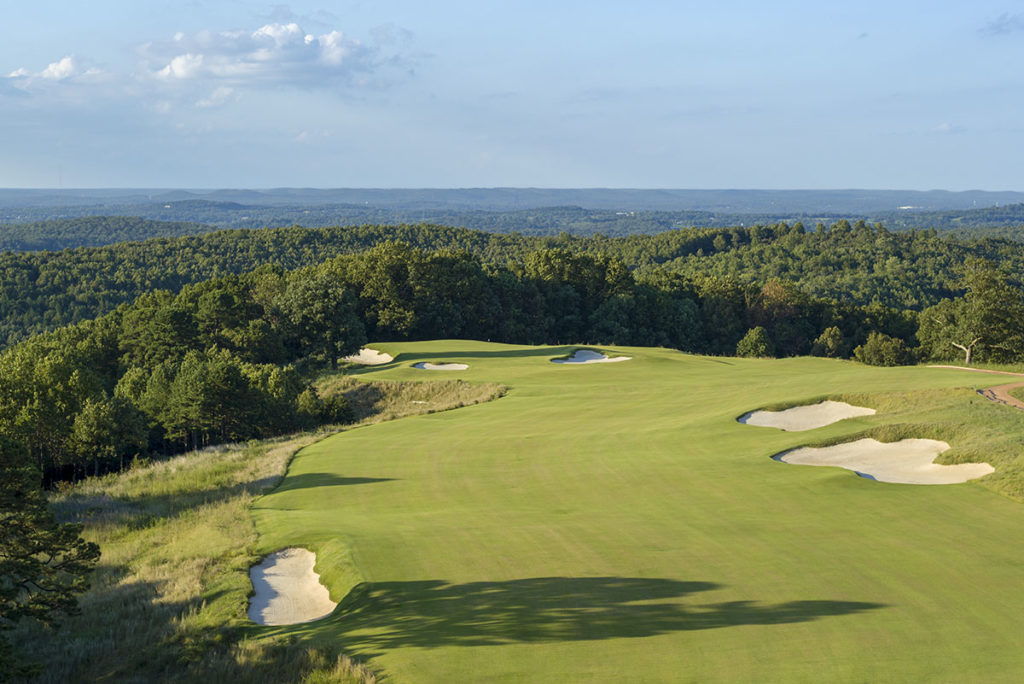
{"points": [[847, 202]]}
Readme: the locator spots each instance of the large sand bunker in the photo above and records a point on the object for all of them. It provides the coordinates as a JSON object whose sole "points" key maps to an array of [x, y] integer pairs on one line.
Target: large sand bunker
{"points": [[805, 417], [288, 591], [908, 461], [369, 357], [588, 356], [426, 365]]}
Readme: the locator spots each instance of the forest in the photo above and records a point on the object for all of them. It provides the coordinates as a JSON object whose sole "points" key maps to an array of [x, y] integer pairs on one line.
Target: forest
{"points": [[854, 263]]}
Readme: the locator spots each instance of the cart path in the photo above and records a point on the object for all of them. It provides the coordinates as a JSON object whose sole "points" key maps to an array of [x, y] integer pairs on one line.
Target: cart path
{"points": [[1000, 393]]}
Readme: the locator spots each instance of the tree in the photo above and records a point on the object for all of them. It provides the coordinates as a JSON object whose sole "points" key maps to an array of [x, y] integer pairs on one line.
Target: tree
{"points": [[883, 350], [44, 565], [323, 315], [988, 320], [830, 343], [755, 343], [995, 311]]}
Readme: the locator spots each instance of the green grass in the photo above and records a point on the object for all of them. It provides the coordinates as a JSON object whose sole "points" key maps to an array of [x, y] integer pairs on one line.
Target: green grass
{"points": [[613, 522]]}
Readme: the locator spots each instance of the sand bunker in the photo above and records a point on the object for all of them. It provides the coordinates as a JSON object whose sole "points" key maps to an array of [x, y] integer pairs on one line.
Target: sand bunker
{"points": [[369, 357], [288, 591], [805, 417], [440, 366], [908, 461], [588, 356]]}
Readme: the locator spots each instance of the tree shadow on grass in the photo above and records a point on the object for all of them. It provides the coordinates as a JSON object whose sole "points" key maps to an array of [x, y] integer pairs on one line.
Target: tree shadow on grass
{"points": [[378, 617], [406, 358], [311, 480]]}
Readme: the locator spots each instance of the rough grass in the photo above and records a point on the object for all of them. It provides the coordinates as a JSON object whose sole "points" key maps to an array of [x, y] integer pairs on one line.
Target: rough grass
{"points": [[169, 596], [373, 401]]}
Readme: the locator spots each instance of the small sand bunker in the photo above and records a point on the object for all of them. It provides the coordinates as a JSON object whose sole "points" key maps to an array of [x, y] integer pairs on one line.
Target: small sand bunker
{"points": [[908, 461], [288, 591], [588, 356], [425, 365], [369, 357], [805, 417]]}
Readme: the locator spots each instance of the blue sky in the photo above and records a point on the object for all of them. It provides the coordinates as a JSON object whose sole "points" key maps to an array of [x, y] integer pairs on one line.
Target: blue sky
{"points": [[394, 93]]}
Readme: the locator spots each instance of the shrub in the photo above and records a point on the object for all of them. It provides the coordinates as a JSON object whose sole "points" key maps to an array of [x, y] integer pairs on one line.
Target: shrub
{"points": [[830, 343], [882, 350], [755, 343]]}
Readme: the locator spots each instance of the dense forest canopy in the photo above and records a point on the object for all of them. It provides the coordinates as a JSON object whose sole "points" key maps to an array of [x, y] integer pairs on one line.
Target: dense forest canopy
{"points": [[858, 263]]}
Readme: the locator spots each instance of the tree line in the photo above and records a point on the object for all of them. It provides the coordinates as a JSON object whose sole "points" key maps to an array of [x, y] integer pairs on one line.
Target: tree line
{"points": [[854, 263], [232, 358]]}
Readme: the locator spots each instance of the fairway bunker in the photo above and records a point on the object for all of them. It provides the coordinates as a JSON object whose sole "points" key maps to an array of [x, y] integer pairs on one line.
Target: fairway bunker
{"points": [[807, 417], [426, 365], [908, 461], [590, 356], [287, 591], [369, 357]]}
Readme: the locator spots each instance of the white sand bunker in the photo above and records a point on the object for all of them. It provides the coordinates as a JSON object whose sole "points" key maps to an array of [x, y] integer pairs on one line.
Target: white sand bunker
{"points": [[369, 357], [424, 365], [288, 591], [805, 417], [588, 356], [908, 461]]}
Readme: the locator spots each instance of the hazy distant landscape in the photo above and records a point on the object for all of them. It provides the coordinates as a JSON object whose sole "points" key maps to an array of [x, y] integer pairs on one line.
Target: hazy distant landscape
{"points": [[34, 217]]}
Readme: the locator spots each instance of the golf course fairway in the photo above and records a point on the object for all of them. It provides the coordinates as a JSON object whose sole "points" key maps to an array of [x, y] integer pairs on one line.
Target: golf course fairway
{"points": [[615, 523]]}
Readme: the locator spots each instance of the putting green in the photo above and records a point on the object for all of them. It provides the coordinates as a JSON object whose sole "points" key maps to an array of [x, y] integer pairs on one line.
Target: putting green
{"points": [[613, 522]]}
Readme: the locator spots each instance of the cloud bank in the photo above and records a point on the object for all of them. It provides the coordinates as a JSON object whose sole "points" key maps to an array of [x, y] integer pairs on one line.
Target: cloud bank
{"points": [[274, 54], [210, 68]]}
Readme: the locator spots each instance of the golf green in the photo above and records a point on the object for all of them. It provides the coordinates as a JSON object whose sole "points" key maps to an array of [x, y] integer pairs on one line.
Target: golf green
{"points": [[615, 523]]}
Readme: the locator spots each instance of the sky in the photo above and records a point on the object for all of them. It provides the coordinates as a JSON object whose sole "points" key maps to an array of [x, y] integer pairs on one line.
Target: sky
{"points": [[570, 94]]}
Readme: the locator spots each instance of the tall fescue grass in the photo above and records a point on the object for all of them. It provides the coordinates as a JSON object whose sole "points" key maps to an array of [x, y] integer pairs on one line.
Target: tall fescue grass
{"points": [[169, 596], [378, 400]]}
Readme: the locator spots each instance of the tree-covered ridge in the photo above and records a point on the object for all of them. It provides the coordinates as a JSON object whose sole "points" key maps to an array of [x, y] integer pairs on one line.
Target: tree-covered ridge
{"points": [[859, 263], [90, 231]]}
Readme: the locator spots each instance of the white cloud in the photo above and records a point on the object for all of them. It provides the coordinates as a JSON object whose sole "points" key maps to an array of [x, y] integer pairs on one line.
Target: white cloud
{"points": [[60, 70], [948, 128], [66, 71], [218, 97], [182, 66], [276, 53]]}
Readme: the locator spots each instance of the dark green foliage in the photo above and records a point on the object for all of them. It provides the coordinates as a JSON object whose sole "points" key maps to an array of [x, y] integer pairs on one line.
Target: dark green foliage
{"points": [[830, 343], [883, 350], [57, 234], [755, 344], [859, 264], [44, 565], [987, 323]]}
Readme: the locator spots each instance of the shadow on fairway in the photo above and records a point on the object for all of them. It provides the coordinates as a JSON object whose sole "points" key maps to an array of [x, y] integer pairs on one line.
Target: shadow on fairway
{"points": [[311, 480], [387, 615], [552, 352]]}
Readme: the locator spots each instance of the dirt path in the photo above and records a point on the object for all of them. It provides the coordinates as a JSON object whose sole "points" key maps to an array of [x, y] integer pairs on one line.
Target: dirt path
{"points": [[1000, 393]]}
